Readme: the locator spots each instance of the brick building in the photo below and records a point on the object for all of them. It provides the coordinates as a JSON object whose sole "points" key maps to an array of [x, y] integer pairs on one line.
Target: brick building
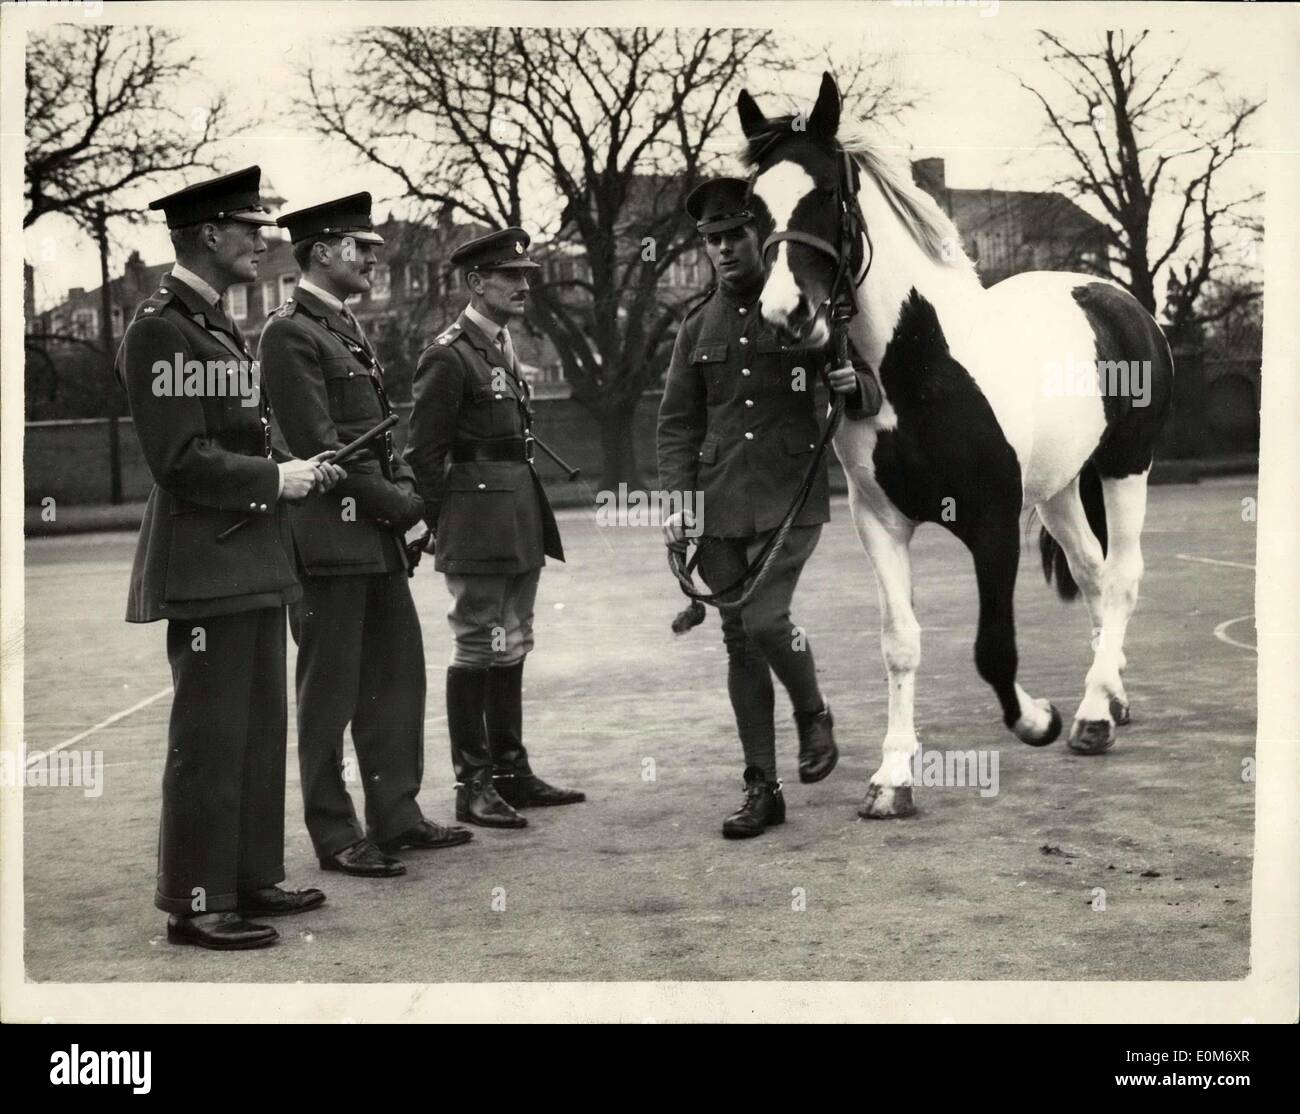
{"points": [[1006, 232]]}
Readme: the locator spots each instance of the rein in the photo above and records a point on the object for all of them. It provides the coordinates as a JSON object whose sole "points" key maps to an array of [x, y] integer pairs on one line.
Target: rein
{"points": [[842, 307]]}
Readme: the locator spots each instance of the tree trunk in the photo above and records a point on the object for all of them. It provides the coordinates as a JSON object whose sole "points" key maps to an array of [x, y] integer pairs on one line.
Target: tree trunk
{"points": [[618, 447]]}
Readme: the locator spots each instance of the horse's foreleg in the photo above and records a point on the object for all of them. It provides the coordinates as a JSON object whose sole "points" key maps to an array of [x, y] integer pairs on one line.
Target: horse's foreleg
{"points": [[996, 549], [890, 792], [1104, 699]]}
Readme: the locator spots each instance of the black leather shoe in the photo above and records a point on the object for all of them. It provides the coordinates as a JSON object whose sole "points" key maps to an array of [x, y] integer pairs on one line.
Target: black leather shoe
{"points": [[426, 834], [764, 806], [524, 790], [276, 902], [365, 860], [221, 932], [477, 802], [817, 750]]}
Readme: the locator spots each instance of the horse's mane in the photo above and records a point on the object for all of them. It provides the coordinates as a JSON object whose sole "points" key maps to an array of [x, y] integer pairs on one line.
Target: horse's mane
{"points": [[927, 224]]}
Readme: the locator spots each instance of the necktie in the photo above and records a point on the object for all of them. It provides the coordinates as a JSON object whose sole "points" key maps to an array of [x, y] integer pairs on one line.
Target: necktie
{"points": [[507, 349], [356, 327]]}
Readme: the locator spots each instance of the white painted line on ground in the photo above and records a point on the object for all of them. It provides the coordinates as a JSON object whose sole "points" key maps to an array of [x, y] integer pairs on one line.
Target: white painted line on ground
{"points": [[1220, 632], [1212, 561], [41, 755]]}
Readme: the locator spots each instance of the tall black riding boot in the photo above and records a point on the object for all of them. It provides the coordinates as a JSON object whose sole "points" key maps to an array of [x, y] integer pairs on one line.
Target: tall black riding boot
{"points": [[477, 801], [515, 780]]}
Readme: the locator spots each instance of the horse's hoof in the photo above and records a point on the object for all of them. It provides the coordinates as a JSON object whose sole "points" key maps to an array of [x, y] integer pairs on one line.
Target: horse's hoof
{"points": [[884, 803], [1092, 736], [1119, 712], [1024, 730]]}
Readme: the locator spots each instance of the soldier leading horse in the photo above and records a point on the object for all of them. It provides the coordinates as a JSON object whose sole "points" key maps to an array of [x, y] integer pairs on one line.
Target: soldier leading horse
{"points": [[994, 401]]}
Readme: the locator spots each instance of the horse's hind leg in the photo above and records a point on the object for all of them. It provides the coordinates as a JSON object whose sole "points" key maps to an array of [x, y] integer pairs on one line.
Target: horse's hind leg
{"points": [[1066, 520], [996, 549], [1104, 699], [889, 793]]}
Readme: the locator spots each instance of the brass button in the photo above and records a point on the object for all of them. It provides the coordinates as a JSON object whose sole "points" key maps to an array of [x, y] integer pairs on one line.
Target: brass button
{"points": [[351, 374], [749, 402], [496, 396], [252, 506], [482, 487], [262, 507], [749, 437], [744, 371], [743, 311], [744, 340]]}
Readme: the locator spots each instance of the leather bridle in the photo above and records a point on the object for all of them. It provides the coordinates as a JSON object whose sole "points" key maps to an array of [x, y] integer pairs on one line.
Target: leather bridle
{"points": [[853, 231]]}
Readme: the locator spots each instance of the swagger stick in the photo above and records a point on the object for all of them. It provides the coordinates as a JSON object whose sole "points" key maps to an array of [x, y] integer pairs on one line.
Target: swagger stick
{"points": [[336, 457]]}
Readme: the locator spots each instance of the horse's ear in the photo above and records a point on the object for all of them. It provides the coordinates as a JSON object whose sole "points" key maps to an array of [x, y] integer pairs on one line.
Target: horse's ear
{"points": [[752, 120], [825, 119]]}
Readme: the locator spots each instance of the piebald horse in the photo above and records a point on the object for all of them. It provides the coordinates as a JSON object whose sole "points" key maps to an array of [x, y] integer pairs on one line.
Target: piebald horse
{"points": [[995, 401]]}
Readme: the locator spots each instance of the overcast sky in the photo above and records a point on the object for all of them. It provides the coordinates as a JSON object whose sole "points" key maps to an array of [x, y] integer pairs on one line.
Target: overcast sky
{"points": [[962, 64]]}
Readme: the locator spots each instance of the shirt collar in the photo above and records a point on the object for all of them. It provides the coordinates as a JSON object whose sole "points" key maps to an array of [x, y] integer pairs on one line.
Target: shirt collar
{"points": [[324, 296], [203, 289], [484, 324]]}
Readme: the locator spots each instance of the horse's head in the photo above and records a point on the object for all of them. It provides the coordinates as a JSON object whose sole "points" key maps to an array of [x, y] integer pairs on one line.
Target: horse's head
{"points": [[801, 176]]}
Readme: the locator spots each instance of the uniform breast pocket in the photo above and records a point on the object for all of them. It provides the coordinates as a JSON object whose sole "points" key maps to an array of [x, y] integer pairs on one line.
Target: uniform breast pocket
{"points": [[777, 370], [495, 401], [710, 362], [352, 396]]}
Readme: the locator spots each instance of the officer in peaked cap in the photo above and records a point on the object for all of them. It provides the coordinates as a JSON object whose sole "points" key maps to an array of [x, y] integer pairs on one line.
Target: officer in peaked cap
{"points": [[737, 430], [360, 650], [213, 560], [471, 449]]}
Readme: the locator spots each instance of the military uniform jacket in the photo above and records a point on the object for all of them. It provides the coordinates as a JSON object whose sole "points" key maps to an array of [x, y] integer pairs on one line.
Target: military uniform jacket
{"points": [[738, 420], [327, 389], [209, 452], [490, 516]]}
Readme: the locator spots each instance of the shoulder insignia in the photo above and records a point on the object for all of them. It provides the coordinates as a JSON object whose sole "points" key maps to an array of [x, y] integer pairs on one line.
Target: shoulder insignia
{"points": [[159, 299], [286, 310], [449, 334]]}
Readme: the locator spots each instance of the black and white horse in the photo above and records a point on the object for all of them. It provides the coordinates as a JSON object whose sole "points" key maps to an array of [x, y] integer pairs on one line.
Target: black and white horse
{"points": [[1046, 391]]}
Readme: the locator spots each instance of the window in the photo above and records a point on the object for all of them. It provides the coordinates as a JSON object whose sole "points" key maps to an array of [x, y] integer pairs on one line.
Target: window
{"points": [[237, 302], [417, 278], [286, 287], [85, 323], [381, 283], [269, 300], [117, 320], [453, 279]]}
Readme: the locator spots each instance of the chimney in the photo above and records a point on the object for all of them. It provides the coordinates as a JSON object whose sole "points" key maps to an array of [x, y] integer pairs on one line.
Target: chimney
{"points": [[929, 175], [76, 292]]}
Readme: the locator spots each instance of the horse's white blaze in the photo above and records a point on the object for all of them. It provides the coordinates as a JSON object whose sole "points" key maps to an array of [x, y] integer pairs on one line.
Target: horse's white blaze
{"points": [[781, 189]]}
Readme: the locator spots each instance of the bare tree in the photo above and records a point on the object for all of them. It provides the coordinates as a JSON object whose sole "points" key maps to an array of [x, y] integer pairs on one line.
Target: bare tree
{"points": [[1143, 131], [99, 120], [591, 136]]}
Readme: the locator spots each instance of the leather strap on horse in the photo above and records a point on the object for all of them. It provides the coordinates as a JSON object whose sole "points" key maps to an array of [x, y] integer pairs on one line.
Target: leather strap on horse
{"points": [[842, 309]]}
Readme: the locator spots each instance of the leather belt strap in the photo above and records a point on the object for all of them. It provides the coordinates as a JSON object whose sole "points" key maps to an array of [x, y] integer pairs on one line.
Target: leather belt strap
{"points": [[517, 449]]}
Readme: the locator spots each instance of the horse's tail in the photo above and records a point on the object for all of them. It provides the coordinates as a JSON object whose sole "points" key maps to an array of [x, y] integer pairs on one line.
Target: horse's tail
{"points": [[1054, 562]]}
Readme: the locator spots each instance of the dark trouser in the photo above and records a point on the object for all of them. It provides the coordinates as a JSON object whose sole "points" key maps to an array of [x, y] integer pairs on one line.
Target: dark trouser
{"points": [[222, 830], [360, 661], [760, 637]]}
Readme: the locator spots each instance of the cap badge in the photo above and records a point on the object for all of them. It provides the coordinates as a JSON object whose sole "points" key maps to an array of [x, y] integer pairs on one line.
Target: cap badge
{"points": [[519, 248]]}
